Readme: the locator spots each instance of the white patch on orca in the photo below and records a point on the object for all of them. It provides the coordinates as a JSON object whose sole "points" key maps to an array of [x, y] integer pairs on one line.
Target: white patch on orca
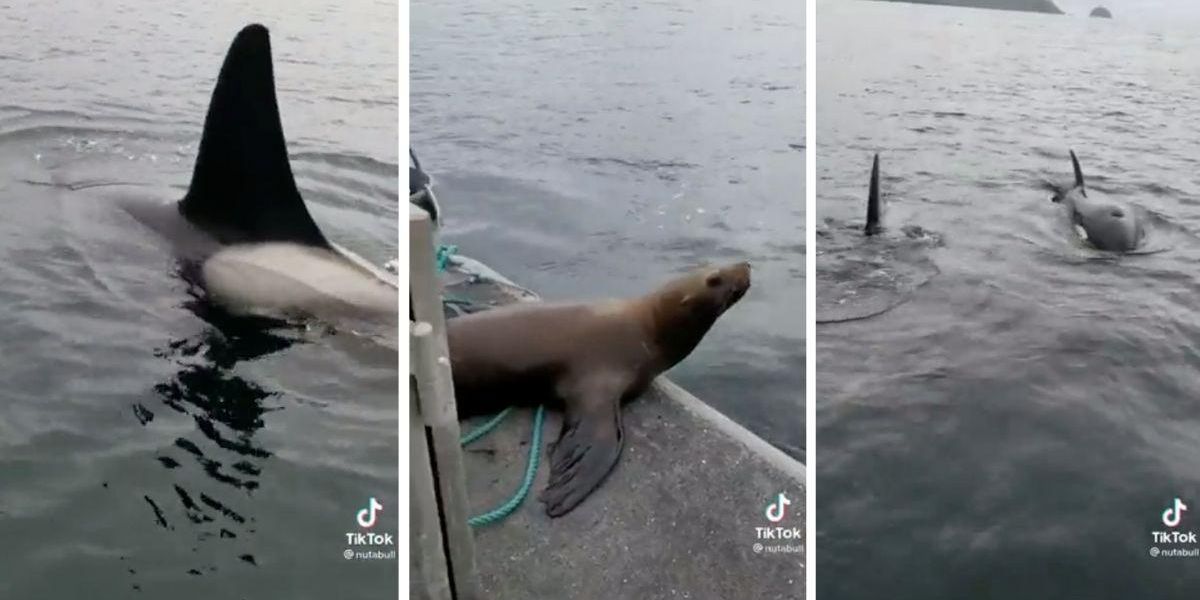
{"points": [[283, 279]]}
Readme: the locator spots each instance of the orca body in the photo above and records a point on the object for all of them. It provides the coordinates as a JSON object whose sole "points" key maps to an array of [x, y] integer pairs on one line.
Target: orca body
{"points": [[1102, 223], [243, 220]]}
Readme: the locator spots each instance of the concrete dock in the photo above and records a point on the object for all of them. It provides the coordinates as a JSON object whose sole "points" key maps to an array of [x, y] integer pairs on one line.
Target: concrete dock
{"points": [[677, 517]]}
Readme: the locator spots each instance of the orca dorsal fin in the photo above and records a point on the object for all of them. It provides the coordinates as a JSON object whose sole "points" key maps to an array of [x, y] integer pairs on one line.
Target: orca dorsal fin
{"points": [[873, 200], [242, 187], [1078, 174]]}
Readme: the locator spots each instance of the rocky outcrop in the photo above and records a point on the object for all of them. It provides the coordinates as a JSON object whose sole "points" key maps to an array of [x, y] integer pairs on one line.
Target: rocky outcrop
{"points": [[1101, 12]]}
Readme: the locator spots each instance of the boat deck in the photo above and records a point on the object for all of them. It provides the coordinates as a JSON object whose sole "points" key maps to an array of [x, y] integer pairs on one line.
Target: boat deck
{"points": [[679, 516], [675, 519]]}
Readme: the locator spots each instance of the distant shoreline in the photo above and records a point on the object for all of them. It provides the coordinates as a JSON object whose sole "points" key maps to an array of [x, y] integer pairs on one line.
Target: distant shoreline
{"points": [[1037, 6]]}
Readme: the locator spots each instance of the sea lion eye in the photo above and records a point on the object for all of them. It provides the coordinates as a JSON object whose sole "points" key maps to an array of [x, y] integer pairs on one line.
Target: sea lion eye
{"points": [[713, 280]]}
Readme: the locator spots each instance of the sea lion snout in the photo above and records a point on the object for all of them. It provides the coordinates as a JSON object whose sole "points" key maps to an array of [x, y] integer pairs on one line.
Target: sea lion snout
{"points": [[741, 278], [736, 280]]}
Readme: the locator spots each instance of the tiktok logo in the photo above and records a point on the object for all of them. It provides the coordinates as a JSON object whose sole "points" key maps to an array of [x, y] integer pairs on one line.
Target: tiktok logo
{"points": [[366, 516], [1174, 515], [776, 509]]}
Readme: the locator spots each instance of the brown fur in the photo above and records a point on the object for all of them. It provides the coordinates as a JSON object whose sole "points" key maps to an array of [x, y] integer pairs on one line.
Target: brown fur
{"points": [[586, 358]]}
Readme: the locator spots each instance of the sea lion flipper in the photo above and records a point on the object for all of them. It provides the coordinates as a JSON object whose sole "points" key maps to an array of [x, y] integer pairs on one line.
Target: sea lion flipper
{"points": [[587, 448]]}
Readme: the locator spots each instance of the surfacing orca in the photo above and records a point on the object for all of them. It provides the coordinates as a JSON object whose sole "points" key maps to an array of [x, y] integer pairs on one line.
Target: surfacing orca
{"points": [[861, 278], [873, 227], [243, 221], [1104, 224]]}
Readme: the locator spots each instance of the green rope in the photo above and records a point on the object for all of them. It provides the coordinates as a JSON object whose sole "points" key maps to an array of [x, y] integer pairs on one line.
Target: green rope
{"points": [[535, 446], [484, 429], [442, 257]]}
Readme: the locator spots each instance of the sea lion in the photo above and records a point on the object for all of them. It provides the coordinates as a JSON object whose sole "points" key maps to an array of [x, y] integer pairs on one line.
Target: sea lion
{"points": [[1104, 224], [587, 358]]}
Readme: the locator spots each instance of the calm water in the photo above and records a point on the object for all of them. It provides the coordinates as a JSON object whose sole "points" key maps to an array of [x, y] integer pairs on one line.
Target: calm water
{"points": [[147, 442], [1018, 427], [594, 150]]}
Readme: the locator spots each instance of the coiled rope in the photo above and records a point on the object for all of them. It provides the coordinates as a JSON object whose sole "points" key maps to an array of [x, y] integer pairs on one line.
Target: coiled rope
{"points": [[535, 450], [444, 252]]}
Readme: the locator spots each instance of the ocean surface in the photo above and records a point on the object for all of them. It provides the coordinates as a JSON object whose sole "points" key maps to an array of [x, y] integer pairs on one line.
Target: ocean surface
{"points": [[595, 150], [1017, 426], [151, 446]]}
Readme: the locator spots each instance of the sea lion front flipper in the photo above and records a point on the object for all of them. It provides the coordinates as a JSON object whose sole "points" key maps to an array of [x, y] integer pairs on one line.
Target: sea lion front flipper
{"points": [[588, 446]]}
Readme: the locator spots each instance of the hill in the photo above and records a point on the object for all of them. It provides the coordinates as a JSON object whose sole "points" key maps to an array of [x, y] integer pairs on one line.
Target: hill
{"points": [[1040, 6]]}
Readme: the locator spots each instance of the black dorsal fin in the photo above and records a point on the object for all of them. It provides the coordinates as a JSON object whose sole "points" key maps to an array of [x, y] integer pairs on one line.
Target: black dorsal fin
{"points": [[242, 186], [1078, 174], [873, 200]]}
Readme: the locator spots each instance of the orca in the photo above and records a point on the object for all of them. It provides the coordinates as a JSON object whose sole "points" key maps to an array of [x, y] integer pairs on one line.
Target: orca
{"points": [[1104, 224], [243, 221], [873, 225], [869, 272]]}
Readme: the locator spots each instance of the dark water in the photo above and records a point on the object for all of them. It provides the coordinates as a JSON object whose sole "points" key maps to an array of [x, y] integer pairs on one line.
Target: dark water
{"points": [[595, 150], [149, 445], [1017, 428]]}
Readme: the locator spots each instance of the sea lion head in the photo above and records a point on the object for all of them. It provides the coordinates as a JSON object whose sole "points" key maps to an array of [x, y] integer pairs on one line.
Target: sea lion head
{"points": [[724, 286], [709, 291], [684, 309]]}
